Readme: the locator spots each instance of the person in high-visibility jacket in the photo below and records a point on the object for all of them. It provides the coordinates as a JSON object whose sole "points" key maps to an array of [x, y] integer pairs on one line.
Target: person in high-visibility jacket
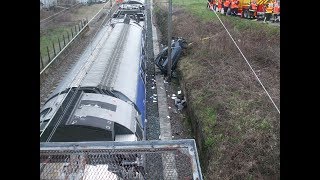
{"points": [[276, 10], [213, 5], [219, 5], [119, 1], [253, 8], [234, 7], [208, 4], [226, 6], [268, 12]]}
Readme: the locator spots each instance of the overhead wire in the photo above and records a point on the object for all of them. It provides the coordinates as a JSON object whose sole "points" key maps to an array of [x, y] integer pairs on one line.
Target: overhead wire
{"points": [[248, 63]]}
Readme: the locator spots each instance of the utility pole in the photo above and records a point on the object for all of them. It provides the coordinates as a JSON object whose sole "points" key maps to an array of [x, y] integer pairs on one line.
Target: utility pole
{"points": [[169, 41]]}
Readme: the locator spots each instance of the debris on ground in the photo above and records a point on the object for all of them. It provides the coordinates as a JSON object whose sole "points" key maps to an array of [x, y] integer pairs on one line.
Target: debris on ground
{"points": [[180, 101]]}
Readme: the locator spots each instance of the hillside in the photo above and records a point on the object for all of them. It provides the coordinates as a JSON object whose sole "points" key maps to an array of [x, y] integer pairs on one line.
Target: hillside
{"points": [[236, 125]]}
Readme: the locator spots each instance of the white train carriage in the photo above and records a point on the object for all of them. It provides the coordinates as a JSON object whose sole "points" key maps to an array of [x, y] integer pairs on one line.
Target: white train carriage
{"points": [[133, 8], [103, 96]]}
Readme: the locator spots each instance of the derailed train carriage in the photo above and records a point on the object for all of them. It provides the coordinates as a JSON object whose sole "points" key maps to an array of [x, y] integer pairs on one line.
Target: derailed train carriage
{"points": [[101, 99], [103, 96]]}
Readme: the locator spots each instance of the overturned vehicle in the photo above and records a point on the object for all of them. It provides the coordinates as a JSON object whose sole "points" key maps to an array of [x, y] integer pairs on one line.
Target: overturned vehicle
{"points": [[177, 45]]}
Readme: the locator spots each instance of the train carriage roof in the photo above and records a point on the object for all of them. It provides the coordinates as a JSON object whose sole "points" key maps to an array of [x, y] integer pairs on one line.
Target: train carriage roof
{"points": [[94, 117], [111, 62], [134, 2]]}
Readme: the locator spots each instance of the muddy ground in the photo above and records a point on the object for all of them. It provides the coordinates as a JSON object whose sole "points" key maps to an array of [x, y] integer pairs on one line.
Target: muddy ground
{"points": [[68, 17]]}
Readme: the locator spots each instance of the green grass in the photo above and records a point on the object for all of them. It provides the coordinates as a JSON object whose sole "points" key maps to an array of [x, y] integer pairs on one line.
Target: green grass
{"points": [[191, 70], [51, 36], [208, 116], [227, 119], [196, 7], [247, 120], [199, 9], [245, 24]]}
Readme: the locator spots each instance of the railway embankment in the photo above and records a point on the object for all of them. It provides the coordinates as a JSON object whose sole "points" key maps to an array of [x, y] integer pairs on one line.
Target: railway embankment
{"points": [[236, 125]]}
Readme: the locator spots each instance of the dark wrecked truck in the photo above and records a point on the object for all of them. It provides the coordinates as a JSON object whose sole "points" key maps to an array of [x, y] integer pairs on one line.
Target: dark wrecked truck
{"points": [[177, 45]]}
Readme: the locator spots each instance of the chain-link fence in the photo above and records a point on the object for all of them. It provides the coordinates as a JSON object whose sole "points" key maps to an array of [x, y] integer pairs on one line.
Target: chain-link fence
{"points": [[175, 159]]}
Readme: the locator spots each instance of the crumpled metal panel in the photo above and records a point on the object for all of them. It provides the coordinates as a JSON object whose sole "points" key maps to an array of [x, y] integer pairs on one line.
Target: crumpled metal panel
{"points": [[125, 113]]}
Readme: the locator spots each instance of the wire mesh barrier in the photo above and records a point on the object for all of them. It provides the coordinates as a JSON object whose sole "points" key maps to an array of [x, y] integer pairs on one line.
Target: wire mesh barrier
{"points": [[174, 159]]}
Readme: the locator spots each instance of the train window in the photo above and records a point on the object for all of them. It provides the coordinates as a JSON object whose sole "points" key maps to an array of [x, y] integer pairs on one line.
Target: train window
{"points": [[143, 51], [143, 64], [90, 90], [43, 124], [139, 131], [45, 112], [143, 67], [142, 77]]}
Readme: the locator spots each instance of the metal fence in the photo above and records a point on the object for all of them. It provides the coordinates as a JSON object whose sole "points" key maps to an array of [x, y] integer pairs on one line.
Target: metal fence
{"points": [[174, 159], [62, 42]]}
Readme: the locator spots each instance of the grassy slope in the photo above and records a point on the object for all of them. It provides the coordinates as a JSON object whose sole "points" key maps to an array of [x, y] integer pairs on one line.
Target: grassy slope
{"points": [[198, 8], [52, 34], [240, 125], [87, 12]]}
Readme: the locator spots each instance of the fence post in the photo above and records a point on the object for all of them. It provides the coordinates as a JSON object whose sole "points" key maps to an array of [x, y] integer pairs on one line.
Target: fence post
{"points": [[169, 41], [75, 29], [68, 36], [59, 44], [81, 23], [79, 26], [48, 53], [41, 61], [64, 41], [71, 33], [54, 49]]}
